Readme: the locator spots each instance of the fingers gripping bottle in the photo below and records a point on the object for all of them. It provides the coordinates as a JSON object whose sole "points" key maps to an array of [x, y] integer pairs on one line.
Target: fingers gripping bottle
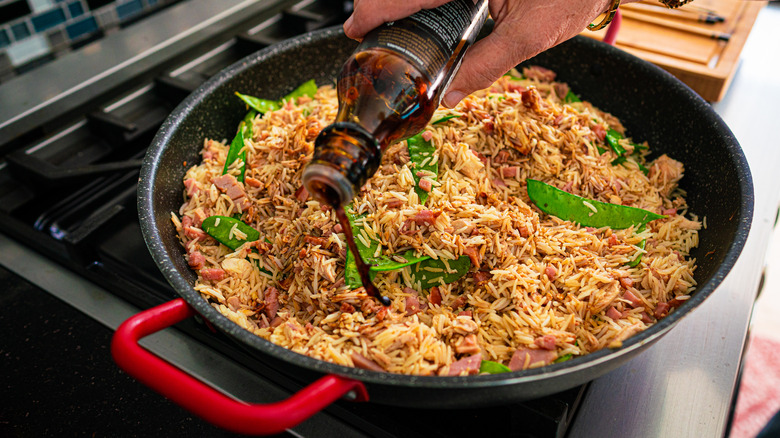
{"points": [[388, 90]]}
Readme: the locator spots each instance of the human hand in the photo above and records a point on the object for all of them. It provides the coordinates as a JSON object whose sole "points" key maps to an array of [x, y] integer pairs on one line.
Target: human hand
{"points": [[523, 28]]}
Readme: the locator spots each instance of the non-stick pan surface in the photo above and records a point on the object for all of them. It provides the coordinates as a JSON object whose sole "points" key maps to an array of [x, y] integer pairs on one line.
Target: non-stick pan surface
{"points": [[653, 106]]}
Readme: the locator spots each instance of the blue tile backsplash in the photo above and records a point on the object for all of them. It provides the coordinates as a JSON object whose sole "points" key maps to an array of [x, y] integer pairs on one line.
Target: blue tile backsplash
{"points": [[21, 21]]}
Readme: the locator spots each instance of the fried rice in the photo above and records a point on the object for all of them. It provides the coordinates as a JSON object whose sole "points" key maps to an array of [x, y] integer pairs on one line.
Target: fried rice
{"points": [[540, 289]]}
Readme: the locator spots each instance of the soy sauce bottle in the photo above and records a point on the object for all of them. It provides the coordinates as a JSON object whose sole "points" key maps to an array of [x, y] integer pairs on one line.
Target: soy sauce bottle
{"points": [[388, 90]]}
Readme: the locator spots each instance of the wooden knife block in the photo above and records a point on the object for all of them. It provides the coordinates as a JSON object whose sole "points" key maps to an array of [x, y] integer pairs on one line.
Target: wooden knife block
{"points": [[705, 64]]}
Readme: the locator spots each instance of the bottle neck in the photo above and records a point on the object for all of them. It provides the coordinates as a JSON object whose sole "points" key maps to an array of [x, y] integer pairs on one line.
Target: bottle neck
{"points": [[345, 157]]}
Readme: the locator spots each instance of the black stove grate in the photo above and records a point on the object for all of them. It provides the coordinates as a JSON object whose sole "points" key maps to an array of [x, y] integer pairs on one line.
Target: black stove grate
{"points": [[71, 195]]}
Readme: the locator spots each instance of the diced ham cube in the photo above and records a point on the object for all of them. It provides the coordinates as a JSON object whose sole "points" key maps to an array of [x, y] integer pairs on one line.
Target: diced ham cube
{"points": [[482, 276], [347, 308], [427, 135], [509, 171], [646, 318], [613, 240], [215, 274], [468, 345], [192, 186], [365, 363], [425, 184], [501, 157], [661, 310], [435, 296], [302, 194], [626, 282], [546, 342], [613, 313], [196, 259], [473, 254], [271, 301], [499, 183], [670, 212], [599, 131], [467, 365], [632, 299], [412, 302], [550, 271], [252, 182], [525, 358], [229, 185]]}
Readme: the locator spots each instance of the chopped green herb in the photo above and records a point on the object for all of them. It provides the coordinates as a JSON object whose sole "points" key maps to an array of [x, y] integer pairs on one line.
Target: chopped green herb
{"points": [[586, 212]]}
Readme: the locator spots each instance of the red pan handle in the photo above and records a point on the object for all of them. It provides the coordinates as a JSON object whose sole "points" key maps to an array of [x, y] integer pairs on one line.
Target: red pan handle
{"points": [[205, 401]]}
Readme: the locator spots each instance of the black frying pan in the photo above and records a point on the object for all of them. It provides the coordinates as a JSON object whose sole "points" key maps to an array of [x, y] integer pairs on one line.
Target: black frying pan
{"points": [[653, 106]]}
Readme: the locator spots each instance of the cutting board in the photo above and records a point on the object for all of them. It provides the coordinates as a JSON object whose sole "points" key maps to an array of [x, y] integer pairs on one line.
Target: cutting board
{"points": [[704, 56]]}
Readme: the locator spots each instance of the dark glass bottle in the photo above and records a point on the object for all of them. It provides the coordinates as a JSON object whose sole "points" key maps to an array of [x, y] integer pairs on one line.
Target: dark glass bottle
{"points": [[388, 90]]}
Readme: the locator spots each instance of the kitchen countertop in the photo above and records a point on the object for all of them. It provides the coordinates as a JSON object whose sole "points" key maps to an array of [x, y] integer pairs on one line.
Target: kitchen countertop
{"points": [[66, 388]]}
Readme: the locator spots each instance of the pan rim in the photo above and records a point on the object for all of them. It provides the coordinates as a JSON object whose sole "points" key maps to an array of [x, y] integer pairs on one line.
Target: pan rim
{"points": [[153, 239]]}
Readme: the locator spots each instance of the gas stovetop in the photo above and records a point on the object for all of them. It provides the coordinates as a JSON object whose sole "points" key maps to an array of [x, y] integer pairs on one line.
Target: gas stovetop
{"points": [[70, 165]]}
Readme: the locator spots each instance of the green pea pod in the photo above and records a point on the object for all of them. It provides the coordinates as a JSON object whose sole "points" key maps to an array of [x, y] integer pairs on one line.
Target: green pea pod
{"points": [[613, 140], [308, 88], [237, 150], [642, 244], [493, 367], [421, 151], [573, 208], [571, 97], [563, 358], [262, 106], [433, 272], [219, 228], [445, 118], [377, 264]]}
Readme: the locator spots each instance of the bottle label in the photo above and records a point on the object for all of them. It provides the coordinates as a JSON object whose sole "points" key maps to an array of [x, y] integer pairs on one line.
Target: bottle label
{"points": [[429, 37]]}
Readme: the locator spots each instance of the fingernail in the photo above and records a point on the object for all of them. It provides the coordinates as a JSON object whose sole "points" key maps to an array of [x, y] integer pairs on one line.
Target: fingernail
{"points": [[453, 97]]}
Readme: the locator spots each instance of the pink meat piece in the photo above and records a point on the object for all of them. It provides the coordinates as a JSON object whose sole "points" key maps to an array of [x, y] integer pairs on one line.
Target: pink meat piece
{"points": [[426, 185], [539, 73], [252, 182], [473, 254], [434, 297], [546, 342], [488, 125], [481, 157], [196, 259], [412, 302], [192, 186], [482, 276], [466, 313], [365, 363], [632, 299], [613, 313], [229, 185], [469, 365], [200, 216], [524, 358], [626, 282], [561, 89], [513, 86], [271, 300], [599, 131], [613, 240], [194, 233], [501, 157], [424, 217], [499, 183], [213, 274], [509, 171], [427, 135], [646, 318], [568, 186], [302, 194], [670, 212], [234, 303], [393, 203], [551, 272], [468, 345], [661, 310]]}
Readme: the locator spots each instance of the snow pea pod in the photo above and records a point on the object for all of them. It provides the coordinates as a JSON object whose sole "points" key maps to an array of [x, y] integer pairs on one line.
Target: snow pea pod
{"points": [[586, 212], [432, 272], [421, 154], [308, 88], [237, 149], [220, 228], [571, 97], [445, 118], [491, 367]]}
